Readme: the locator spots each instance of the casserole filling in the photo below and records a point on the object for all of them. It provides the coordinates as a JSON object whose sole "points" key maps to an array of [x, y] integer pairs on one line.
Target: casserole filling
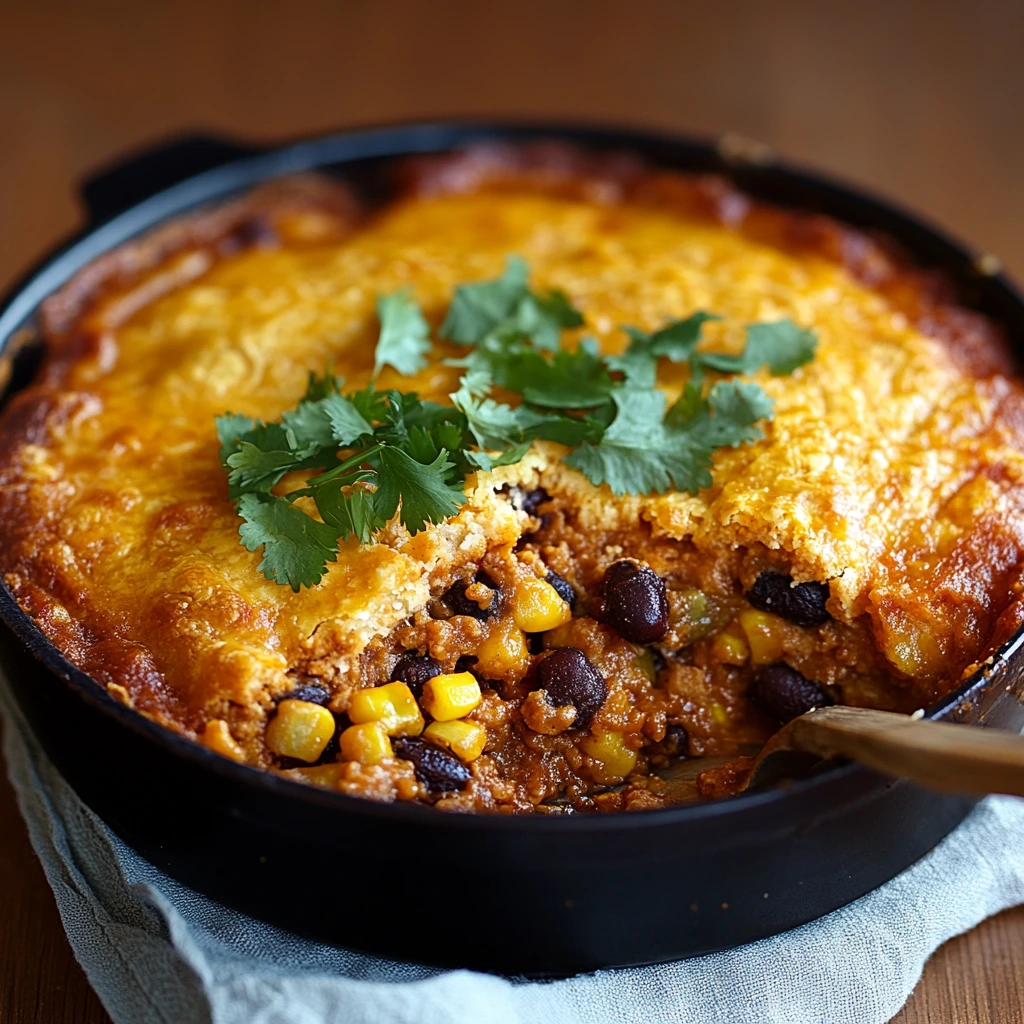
{"points": [[546, 624], [570, 661]]}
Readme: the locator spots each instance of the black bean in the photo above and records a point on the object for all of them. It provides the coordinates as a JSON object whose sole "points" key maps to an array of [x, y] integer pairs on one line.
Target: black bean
{"points": [[783, 693], [563, 588], [531, 501], [330, 752], [635, 602], [569, 678], [455, 598], [676, 742], [414, 670], [468, 663], [803, 604], [313, 693], [438, 770]]}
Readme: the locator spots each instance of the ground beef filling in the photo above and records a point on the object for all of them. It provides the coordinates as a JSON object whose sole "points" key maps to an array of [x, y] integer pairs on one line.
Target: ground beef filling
{"points": [[576, 672]]}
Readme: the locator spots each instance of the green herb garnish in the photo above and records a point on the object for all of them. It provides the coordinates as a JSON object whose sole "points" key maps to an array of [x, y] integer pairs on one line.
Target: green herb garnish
{"points": [[371, 454]]}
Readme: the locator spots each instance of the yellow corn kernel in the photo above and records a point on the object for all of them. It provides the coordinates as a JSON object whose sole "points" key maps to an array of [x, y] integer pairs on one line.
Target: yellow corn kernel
{"points": [[392, 704], [300, 729], [503, 654], [325, 775], [217, 736], [536, 606], [719, 715], [764, 633], [463, 738], [367, 743], [730, 649], [451, 696], [613, 759]]}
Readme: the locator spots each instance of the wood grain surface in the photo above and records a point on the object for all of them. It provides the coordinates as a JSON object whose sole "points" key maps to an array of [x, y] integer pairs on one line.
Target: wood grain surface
{"points": [[921, 99]]}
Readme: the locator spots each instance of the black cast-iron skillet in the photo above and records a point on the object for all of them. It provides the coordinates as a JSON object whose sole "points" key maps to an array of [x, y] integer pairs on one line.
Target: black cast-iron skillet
{"points": [[535, 895]]}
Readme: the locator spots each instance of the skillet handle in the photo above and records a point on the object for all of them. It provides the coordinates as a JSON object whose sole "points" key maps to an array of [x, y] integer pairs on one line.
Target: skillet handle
{"points": [[949, 758], [120, 185]]}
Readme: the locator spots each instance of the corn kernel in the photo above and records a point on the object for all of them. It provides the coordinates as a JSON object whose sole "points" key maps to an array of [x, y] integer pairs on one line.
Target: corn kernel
{"points": [[463, 738], [451, 696], [536, 606], [367, 743], [730, 649], [300, 729], [392, 704], [325, 775], [765, 636], [217, 736], [613, 759], [503, 654]]}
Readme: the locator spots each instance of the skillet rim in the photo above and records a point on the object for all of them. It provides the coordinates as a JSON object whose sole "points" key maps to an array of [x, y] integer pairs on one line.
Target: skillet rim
{"points": [[391, 142]]}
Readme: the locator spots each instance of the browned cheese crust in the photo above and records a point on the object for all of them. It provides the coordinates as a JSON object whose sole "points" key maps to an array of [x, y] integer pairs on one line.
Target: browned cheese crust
{"points": [[892, 470]]}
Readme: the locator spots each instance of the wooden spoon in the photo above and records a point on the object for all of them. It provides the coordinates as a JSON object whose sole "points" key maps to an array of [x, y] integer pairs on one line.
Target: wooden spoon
{"points": [[940, 755]]}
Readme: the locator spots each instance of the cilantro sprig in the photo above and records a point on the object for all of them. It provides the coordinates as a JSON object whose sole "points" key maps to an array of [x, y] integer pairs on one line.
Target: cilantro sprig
{"points": [[370, 455]]}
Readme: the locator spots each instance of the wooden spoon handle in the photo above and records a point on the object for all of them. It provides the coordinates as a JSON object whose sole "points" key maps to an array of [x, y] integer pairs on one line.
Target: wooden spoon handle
{"points": [[941, 755]]}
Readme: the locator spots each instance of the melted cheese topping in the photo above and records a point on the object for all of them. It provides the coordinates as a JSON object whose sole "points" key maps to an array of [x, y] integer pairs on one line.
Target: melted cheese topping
{"points": [[887, 470]]}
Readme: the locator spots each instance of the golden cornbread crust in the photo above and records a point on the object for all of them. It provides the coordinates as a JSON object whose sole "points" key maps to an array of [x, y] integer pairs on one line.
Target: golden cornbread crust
{"points": [[892, 470]]}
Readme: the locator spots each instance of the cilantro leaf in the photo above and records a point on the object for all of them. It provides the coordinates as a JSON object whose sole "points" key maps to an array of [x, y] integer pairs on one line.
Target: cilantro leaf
{"points": [[423, 491], [371, 404], [781, 346], [253, 469], [572, 380], [506, 309], [690, 407], [736, 406], [639, 454], [230, 427], [321, 387], [331, 420], [296, 548], [572, 430], [509, 457], [478, 308], [725, 417], [676, 341], [495, 425], [262, 455], [404, 335], [638, 365], [542, 318], [347, 423], [351, 515]]}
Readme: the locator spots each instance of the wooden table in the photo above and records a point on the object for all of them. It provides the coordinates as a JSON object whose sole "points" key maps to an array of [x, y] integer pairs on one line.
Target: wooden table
{"points": [[920, 99]]}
